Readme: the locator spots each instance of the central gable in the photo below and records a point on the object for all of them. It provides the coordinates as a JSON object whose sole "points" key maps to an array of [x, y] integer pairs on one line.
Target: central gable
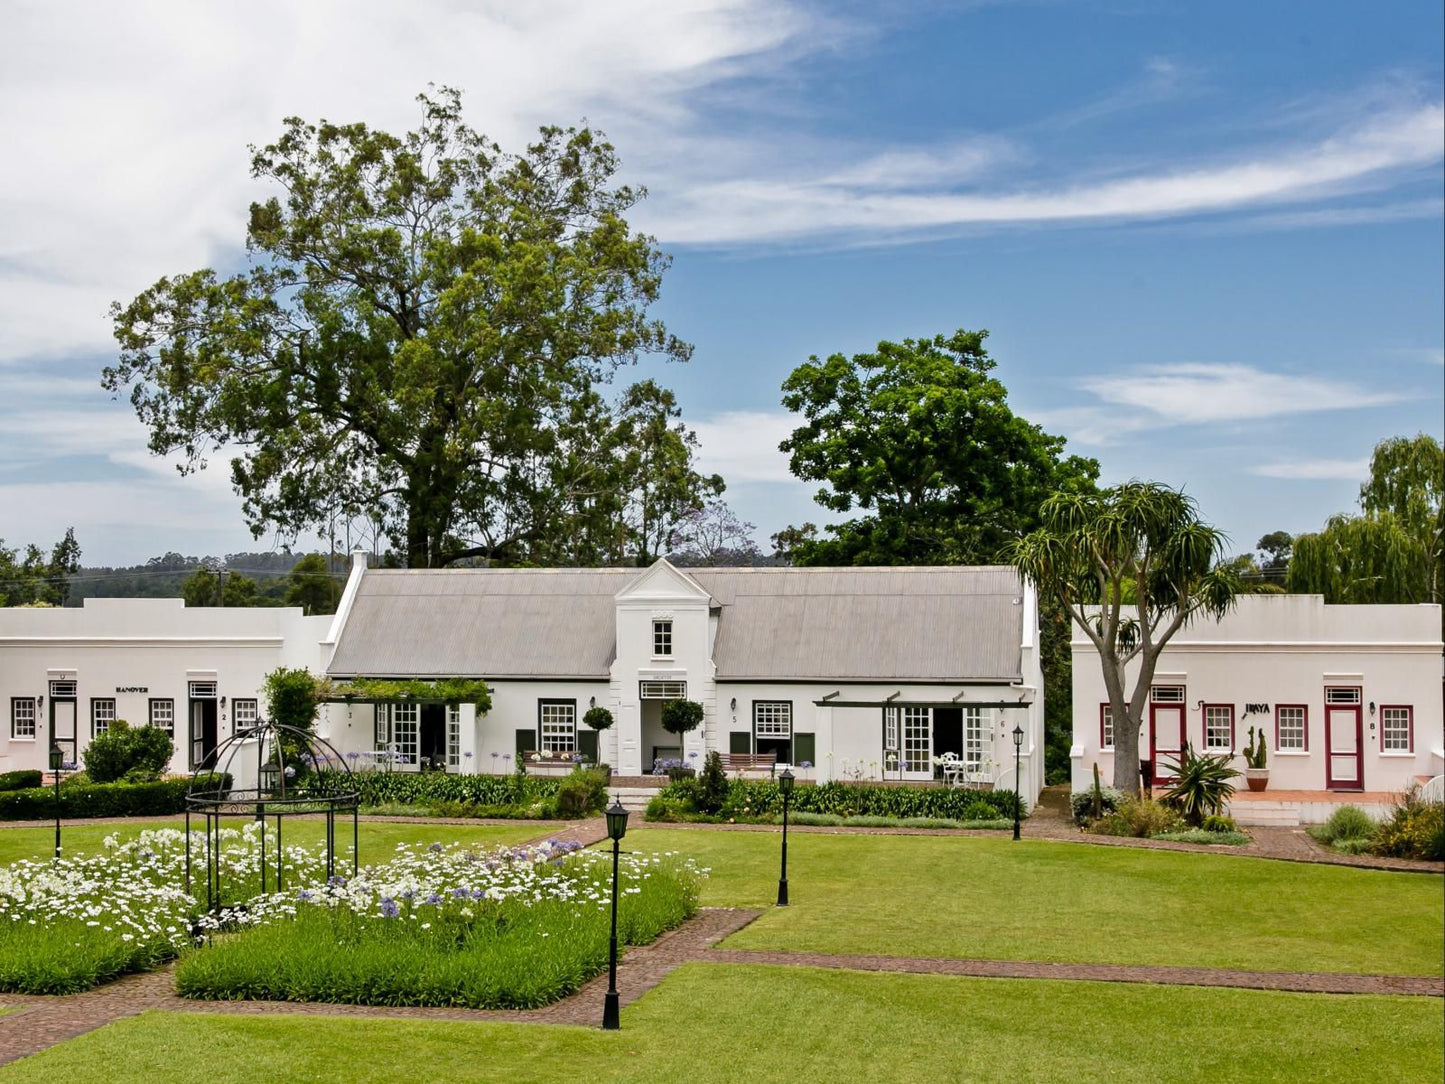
{"points": [[662, 582]]}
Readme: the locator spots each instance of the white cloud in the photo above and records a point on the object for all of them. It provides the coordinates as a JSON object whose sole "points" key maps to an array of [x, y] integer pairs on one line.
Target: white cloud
{"points": [[1192, 393], [742, 445], [1349, 470], [764, 209]]}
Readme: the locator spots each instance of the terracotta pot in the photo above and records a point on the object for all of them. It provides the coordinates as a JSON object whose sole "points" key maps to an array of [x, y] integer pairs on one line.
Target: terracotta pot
{"points": [[1257, 778]]}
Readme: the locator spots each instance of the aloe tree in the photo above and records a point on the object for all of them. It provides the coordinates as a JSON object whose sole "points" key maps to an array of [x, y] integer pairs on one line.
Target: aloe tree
{"points": [[1131, 565]]}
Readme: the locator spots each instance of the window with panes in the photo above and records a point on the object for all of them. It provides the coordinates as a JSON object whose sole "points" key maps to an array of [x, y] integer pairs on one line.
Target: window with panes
{"points": [[163, 715], [1106, 726], [102, 714], [975, 736], [1219, 727], [1290, 728], [1395, 729], [557, 726], [245, 713], [454, 736], [22, 718], [662, 638]]}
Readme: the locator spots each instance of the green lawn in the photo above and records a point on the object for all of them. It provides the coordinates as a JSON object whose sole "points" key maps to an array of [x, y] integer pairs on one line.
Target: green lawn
{"points": [[1035, 900], [378, 838], [716, 1023]]}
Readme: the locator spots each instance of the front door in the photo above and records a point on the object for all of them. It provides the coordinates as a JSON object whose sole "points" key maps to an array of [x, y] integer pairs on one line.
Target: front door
{"points": [[917, 742], [433, 735], [1344, 748], [62, 727], [1166, 739], [203, 732]]}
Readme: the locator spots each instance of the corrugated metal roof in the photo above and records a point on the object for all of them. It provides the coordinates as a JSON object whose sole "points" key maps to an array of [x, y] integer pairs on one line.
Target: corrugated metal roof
{"points": [[945, 624]]}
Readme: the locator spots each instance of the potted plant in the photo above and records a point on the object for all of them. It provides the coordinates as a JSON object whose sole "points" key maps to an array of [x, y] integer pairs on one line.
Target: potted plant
{"points": [[599, 719], [680, 717], [1256, 773]]}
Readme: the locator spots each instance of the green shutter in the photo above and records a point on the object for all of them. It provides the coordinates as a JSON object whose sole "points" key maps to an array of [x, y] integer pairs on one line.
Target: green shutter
{"points": [[740, 741], [805, 747], [526, 741], [587, 743]]}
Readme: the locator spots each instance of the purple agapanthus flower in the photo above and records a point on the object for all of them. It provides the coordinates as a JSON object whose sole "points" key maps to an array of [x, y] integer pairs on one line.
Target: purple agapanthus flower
{"points": [[408, 894], [434, 900], [435, 848], [389, 908], [305, 896], [806, 764], [459, 893]]}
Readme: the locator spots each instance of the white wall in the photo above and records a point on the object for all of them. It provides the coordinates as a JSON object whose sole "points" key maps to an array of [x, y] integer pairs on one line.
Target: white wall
{"points": [[1284, 649], [158, 645]]}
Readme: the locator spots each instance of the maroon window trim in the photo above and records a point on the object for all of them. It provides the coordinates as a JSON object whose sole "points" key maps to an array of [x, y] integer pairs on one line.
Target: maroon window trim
{"points": [[1204, 720], [1103, 745], [1303, 707], [1409, 709]]}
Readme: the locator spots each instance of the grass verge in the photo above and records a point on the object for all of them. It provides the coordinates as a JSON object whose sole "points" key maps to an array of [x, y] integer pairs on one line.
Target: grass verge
{"points": [[995, 898], [703, 1025]]}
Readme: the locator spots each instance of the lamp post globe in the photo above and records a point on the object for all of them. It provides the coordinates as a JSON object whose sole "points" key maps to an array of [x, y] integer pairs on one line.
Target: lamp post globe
{"points": [[616, 829], [785, 785], [1018, 753]]}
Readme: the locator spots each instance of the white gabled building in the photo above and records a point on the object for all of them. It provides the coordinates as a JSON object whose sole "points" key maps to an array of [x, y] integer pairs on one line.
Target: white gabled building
{"points": [[198, 672], [860, 672], [1348, 697]]}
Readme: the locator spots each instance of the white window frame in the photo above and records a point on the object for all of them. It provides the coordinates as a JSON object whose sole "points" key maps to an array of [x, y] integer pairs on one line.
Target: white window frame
{"points": [[406, 732], [454, 735], [1291, 735], [1213, 713], [245, 712], [162, 715], [1402, 733], [1106, 727], [1166, 694], [662, 690], [63, 690], [917, 752], [20, 707], [556, 726], [99, 719], [662, 638], [202, 690], [773, 719], [1337, 696], [976, 732]]}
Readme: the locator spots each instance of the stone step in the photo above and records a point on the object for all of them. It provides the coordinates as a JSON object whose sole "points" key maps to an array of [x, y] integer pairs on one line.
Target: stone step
{"points": [[633, 799], [1266, 814]]}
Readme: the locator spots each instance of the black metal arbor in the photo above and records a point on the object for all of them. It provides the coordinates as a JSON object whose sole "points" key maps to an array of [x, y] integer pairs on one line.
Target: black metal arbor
{"points": [[296, 773]]}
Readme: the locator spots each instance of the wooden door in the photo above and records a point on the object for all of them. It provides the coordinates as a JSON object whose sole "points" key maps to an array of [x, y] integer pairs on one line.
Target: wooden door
{"points": [[1344, 747]]}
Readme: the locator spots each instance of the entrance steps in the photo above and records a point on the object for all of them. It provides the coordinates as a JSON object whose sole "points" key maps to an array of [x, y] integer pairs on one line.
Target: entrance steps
{"points": [[1270, 814], [633, 799]]}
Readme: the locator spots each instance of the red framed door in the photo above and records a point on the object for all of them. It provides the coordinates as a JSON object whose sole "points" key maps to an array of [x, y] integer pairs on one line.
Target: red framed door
{"points": [[1166, 739], [1344, 747]]}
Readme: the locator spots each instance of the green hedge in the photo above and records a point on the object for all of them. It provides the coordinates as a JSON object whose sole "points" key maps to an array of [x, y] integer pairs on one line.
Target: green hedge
{"points": [[21, 780], [99, 800], [419, 788], [748, 797]]}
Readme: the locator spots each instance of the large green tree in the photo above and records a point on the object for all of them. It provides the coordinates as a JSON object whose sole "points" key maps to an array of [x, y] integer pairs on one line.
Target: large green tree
{"points": [[1131, 566], [919, 434], [1394, 550], [420, 316], [311, 586], [32, 579]]}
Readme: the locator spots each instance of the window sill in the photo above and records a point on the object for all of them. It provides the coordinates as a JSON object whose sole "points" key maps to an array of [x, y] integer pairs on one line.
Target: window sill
{"points": [[1397, 754], [1291, 753]]}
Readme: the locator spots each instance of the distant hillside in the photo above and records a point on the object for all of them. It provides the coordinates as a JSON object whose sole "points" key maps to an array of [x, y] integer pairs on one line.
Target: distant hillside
{"points": [[161, 577]]}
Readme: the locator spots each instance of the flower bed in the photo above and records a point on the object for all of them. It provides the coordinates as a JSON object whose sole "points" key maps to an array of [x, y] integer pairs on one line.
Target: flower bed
{"points": [[444, 926]]}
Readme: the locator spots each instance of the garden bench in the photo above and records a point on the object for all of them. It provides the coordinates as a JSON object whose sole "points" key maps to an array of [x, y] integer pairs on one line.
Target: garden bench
{"points": [[749, 762]]}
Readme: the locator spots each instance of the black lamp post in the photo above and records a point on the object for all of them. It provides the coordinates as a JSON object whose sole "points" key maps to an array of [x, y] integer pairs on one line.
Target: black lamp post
{"points": [[1018, 798], [57, 758], [785, 784], [616, 829]]}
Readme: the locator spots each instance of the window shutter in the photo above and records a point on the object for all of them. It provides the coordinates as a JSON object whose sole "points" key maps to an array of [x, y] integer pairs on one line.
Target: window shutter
{"points": [[526, 741], [587, 743], [740, 741], [805, 747]]}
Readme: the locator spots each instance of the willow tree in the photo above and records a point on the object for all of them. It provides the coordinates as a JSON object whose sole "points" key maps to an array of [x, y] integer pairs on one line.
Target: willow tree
{"points": [[1131, 566], [419, 315], [1394, 550]]}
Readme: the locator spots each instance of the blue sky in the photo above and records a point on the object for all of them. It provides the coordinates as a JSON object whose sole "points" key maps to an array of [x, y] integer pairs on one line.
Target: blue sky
{"points": [[1206, 239]]}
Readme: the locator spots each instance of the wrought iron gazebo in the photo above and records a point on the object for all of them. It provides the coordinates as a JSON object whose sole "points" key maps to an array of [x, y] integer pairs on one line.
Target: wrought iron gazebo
{"points": [[269, 770]]}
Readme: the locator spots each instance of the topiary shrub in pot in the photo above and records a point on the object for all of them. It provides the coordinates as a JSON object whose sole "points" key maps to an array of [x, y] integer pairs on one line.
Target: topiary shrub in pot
{"points": [[681, 717]]}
